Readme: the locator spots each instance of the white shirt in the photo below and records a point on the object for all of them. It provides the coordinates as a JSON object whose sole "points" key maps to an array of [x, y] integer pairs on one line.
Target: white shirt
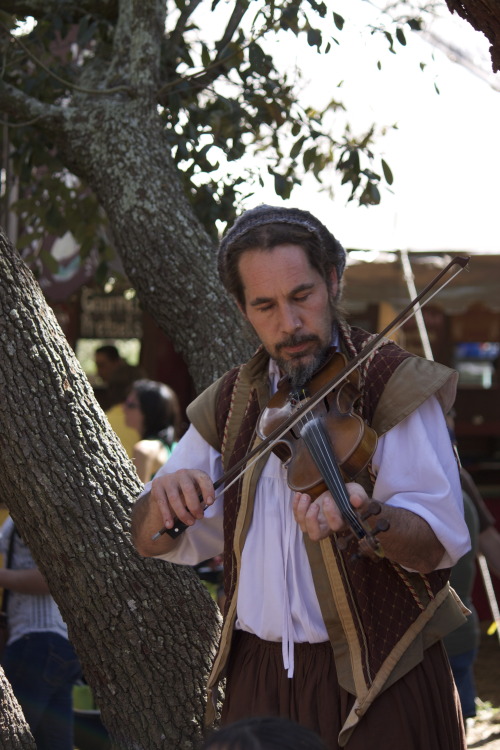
{"points": [[416, 470]]}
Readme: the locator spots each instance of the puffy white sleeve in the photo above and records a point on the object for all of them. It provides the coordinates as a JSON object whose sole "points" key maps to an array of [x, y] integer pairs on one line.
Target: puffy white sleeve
{"points": [[205, 539], [416, 469]]}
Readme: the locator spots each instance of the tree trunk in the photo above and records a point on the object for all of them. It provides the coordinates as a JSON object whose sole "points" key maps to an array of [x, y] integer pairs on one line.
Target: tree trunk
{"points": [[14, 731], [166, 253], [483, 15], [69, 487]]}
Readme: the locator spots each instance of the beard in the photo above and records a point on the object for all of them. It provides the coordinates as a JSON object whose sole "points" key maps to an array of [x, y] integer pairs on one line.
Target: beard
{"points": [[300, 369]]}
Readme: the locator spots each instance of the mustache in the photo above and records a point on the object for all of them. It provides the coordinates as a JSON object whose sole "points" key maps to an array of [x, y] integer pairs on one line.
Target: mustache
{"points": [[295, 340]]}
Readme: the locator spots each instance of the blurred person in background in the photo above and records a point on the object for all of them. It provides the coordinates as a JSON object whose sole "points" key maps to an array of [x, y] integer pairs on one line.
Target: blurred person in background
{"points": [[463, 643], [152, 410], [118, 376], [39, 661]]}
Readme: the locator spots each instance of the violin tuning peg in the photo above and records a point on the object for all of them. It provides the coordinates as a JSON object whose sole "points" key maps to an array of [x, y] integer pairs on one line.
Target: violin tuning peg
{"points": [[381, 525], [343, 541], [373, 509]]}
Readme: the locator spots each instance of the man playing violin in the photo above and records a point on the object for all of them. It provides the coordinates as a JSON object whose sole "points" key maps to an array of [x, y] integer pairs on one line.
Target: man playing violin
{"points": [[347, 644]]}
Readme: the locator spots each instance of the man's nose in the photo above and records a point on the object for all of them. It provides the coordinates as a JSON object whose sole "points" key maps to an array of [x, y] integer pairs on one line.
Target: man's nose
{"points": [[290, 319]]}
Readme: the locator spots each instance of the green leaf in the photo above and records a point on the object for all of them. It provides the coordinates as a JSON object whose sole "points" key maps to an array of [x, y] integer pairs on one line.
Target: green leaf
{"points": [[297, 147], [387, 172], [308, 158], [389, 38], [54, 219], [281, 186], [370, 195], [339, 21], [205, 55], [48, 260], [415, 24], [255, 56], [320, 8], [400, 36], [26, 240], [314, 38]]}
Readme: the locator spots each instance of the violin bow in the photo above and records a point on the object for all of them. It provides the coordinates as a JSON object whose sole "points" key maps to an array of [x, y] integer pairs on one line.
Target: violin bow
{"points": [[236, 471]]}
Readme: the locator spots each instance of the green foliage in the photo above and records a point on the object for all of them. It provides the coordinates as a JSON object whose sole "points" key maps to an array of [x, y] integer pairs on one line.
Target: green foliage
{"points": [[221, 98], [53, 202]]}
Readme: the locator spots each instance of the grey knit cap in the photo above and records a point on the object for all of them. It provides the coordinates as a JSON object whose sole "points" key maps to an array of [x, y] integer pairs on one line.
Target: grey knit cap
{"points": [[265, 214]]}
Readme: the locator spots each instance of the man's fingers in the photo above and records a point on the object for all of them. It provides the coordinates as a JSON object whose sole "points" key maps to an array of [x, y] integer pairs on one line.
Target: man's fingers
{"points": [[332, 513], [183, 495], [357, 494], [301, 504], [314, 524]]}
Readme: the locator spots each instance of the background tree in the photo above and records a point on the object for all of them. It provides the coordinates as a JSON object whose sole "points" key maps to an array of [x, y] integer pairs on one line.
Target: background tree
{"points": [[116, 113], [144, 629], [140, 106], [484, 16], [14, 731]]}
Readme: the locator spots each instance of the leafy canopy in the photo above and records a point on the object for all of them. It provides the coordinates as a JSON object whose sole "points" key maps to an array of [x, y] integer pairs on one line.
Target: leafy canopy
{"points": [[221, 96]]}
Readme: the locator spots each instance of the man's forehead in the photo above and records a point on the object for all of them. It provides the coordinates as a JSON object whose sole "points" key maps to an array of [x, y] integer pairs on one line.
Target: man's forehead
{"points": [[284, 271]]}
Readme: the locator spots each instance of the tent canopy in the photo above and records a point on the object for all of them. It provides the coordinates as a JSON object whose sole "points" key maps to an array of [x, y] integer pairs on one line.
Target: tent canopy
{"points": [[372, 277]]}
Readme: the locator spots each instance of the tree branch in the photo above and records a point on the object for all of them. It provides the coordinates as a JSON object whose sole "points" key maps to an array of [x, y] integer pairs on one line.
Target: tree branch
{"points": [[483, 16], [137, 43], [21, 107], [174, 38], [239, 10], [66, 83], [203, 78], [39, 8]]}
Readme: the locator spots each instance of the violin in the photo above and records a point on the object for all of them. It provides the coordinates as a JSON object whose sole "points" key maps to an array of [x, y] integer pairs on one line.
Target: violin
{"points": [[327, 446]]}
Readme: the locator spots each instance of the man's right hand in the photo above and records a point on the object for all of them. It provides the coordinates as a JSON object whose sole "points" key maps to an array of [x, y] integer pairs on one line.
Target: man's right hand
{"points": [[184, 494]]}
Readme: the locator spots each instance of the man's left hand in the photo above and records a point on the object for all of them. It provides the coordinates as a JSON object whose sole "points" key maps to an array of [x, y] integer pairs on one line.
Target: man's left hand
{"points": [[319, 517]]}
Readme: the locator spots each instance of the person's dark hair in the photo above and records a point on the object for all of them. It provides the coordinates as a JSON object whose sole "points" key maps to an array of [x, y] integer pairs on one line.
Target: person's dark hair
{"points": [[160, 408], [110, 351], [264, 733], [264, 228]]}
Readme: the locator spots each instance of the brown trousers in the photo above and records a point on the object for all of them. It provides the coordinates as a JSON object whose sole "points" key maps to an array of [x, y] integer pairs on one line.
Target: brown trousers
{"points": [[421, 711]]}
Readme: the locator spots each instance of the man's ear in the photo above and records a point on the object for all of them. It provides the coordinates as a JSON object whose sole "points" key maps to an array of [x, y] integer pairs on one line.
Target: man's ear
{"points": [[334, 282], [241, 308]]}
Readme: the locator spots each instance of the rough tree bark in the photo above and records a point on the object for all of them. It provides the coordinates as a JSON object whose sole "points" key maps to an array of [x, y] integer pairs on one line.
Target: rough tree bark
{"points": [[14, 731], [69, 487], [483, 15]]}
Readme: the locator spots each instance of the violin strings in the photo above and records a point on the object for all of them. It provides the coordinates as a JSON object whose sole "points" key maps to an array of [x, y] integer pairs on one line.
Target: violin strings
{"points": [[318, 444]]}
